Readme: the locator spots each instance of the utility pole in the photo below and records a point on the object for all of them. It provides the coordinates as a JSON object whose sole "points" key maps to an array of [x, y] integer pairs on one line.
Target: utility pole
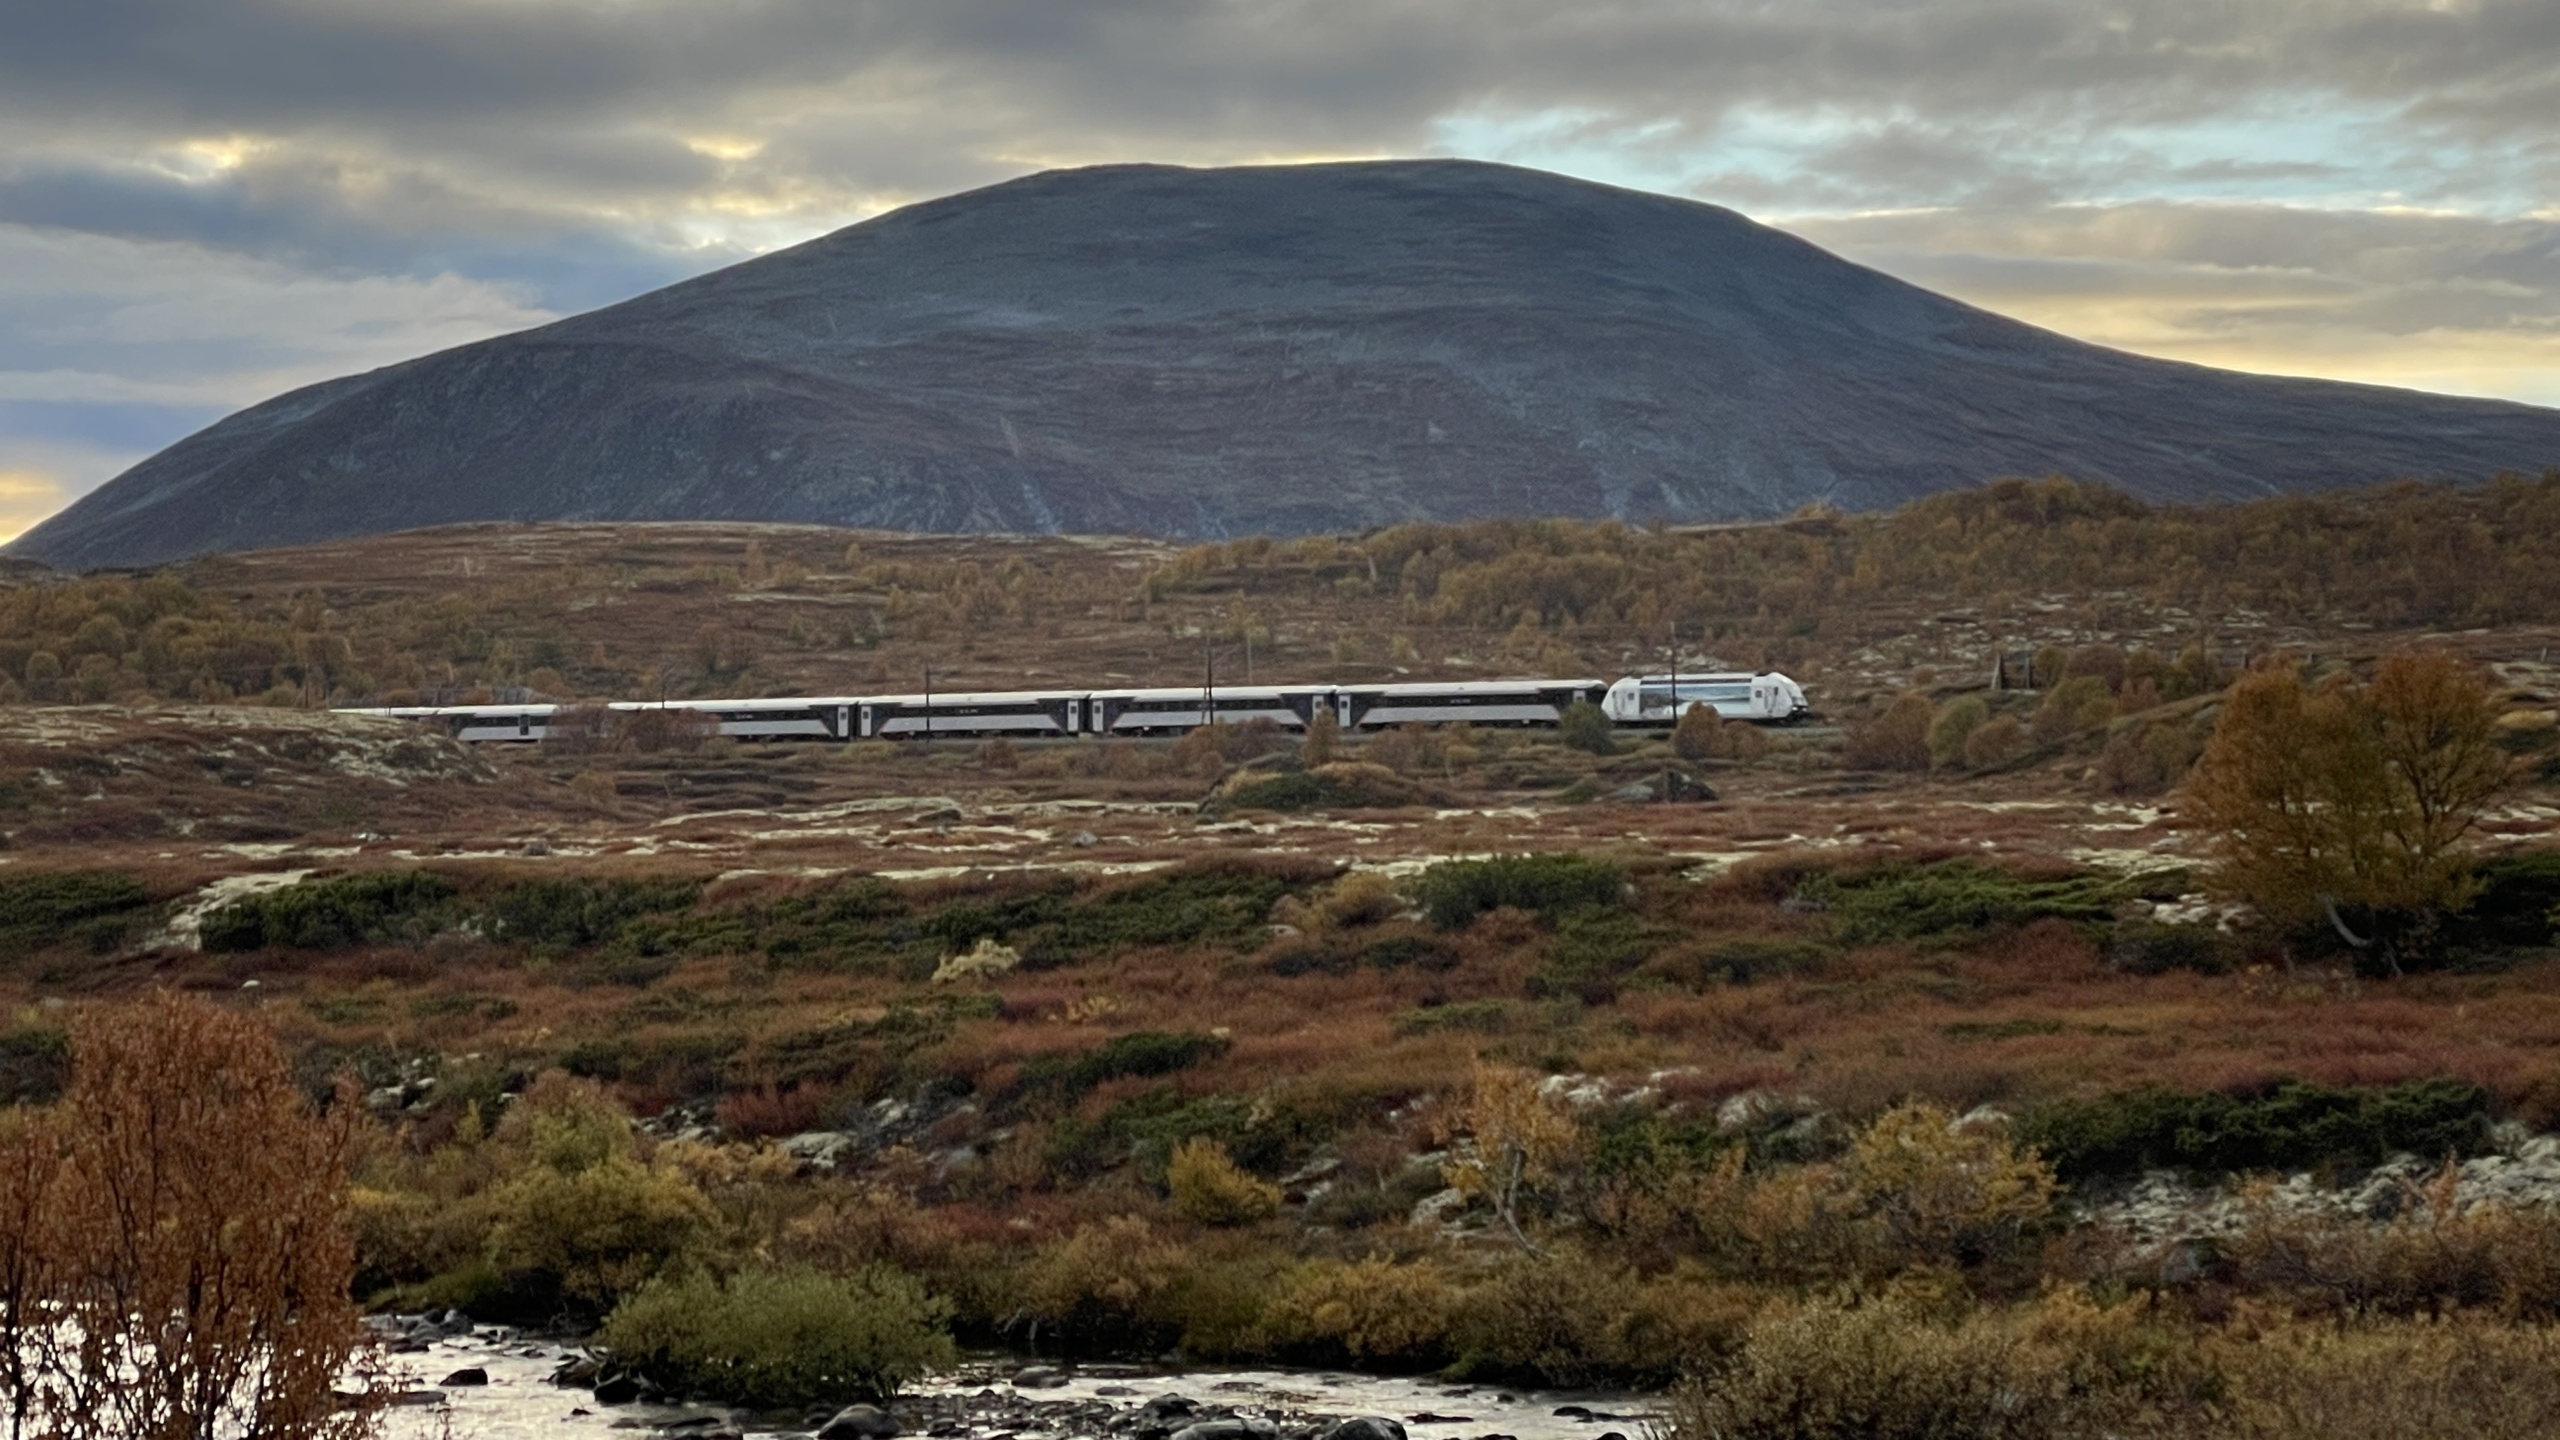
{"points": [[1674, 751]]}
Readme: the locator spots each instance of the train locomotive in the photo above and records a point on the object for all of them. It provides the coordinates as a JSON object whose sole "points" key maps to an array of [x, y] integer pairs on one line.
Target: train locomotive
{"points": [[1636, 701]]}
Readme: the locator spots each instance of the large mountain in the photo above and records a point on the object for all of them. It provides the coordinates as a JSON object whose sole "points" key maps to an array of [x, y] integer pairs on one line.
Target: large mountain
{"points": [[1283, 350]]}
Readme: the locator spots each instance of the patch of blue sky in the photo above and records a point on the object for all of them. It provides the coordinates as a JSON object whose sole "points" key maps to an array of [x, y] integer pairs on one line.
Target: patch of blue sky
{"points": [[101, 425]]}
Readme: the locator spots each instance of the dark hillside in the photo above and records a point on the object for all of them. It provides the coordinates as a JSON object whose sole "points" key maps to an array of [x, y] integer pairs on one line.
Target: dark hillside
{"points": [[1284, 350]]}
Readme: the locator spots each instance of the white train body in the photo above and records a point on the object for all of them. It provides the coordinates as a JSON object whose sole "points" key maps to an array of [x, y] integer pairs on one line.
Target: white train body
{"points": [[1769, 698]]}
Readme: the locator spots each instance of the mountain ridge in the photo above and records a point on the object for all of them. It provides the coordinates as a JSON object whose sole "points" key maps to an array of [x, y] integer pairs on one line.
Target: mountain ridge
{"points": [[1285, 349]]}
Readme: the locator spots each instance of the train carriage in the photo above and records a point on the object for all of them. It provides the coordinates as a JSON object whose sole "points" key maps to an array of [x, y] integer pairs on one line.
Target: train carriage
{"points": [[1461, 702], [826, 718], [527, 723], [1740, 695], [1026, 713], [1149, 712]]}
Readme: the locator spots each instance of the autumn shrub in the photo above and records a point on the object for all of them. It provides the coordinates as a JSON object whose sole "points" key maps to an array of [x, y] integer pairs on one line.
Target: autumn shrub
{"points": [[2079, 706], [1110, 1288], [1372, 1313], [1994, 743], [781, 1337], [1931, 1192], [1337, 785], [1903, 1365], [579, 1218], [2147, 758], [2467, 1378], [1544, 1319], [1698, 734], [1896, 738], [1210, 1189], [175, 1245], [1456, 891]]}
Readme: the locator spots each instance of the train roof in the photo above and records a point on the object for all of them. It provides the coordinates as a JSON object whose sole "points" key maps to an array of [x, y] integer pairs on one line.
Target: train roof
{"points": [[1471, 687], [428, 712], [1223, 693]]}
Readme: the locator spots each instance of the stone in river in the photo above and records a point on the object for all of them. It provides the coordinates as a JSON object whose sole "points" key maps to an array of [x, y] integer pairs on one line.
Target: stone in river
{"points": [[472, 1375], [859, 1422], [1229, 1427], [1364, 1427], [618, 1390]]}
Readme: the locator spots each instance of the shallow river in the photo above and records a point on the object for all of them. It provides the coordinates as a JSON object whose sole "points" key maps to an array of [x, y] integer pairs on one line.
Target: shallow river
{"points": [[520, 1401]]}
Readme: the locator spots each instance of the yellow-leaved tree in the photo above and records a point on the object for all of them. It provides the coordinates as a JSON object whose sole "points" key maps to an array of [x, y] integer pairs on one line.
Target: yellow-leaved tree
{"points": [[1515, 1141], [2351, 802]]}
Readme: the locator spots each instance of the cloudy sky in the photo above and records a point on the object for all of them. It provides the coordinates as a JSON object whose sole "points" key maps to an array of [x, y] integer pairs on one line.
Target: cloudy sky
{"points": [[205, 202]]}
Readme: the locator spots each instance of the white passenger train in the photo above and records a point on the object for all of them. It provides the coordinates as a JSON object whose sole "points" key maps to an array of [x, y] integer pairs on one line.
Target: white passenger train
{"points": [[1638, 700]]}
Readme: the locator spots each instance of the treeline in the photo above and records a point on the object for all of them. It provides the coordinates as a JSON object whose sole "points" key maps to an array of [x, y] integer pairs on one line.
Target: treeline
{"points": [[2408, 554], [1520, 594]]}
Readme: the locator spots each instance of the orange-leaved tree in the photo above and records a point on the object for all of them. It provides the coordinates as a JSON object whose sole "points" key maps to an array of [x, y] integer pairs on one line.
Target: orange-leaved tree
{"points": [[178, 1250], [2352, 802]]}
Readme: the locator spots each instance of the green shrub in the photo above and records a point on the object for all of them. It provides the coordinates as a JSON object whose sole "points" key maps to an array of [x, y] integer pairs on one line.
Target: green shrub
{"points": [[2293, 1126], [1136, 1054], [2517, 905], [335, 914], [782, 1338], [2147, 947], [584, 1238], [1952, 900], [1457, 891], [1188, 906], [1397, 952], [1482, 1017], [95, 907], [573, 914], [1742, 961], [1954, 724], [1584, 726], [35, 1064]]}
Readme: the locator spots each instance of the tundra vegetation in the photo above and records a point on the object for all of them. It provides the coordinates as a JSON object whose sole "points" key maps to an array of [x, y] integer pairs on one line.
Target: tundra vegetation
{"points": [[1423, 1051]]}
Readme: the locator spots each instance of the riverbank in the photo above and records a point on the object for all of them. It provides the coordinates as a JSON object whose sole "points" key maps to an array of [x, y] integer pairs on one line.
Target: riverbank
{"points": [[516, 1399]]}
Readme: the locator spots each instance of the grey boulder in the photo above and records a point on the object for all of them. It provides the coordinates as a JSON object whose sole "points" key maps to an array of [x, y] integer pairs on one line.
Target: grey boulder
{"points": [[860, 1422]]}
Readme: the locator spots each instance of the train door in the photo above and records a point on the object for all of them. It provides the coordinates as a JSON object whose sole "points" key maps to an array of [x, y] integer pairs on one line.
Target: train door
{"points": [[867, 720], [1075, 717]]}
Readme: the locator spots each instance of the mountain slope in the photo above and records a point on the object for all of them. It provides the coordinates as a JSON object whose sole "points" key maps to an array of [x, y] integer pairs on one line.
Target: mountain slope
{"points": [[1277, 349]]}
